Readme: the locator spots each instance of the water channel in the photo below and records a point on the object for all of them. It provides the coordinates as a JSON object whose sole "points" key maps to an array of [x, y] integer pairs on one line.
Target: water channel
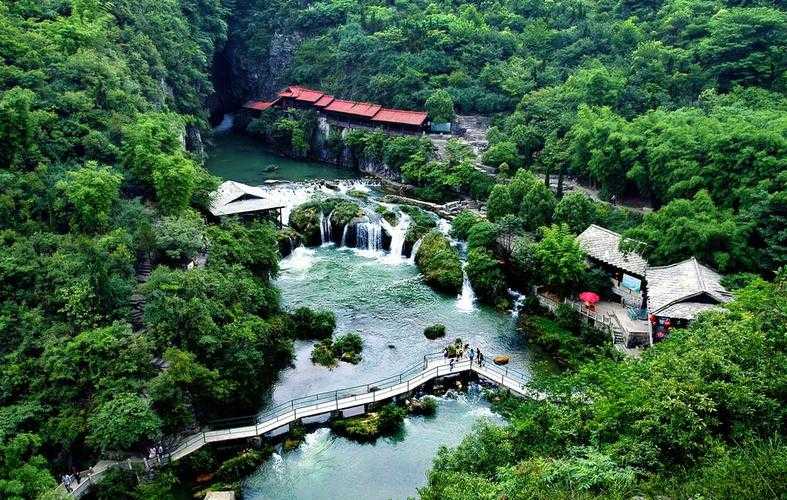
{"points": [[383, 298]]}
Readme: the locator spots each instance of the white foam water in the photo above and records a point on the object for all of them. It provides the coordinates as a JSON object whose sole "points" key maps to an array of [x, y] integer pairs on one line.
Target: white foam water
{"points": [[397, 233], [414, 251], [465, 301], [300, 260]]}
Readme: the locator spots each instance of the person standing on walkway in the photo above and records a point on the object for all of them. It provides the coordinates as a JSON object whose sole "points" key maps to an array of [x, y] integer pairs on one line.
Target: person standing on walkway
{"points": [[471, 355], [451, 365], [480, 357]]}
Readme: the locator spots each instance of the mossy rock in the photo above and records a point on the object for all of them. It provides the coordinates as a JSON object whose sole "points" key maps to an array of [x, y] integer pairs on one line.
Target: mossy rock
{"points": [[439, 263], [367, 428], [357, 193], [240, 466], [305, 219], [390, 216], [322, 354], [426, 406], [288, 240], [434, 332], [344, 212]]}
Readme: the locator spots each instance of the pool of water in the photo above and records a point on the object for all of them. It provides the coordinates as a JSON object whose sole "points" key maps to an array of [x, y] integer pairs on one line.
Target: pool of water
{"points": [[244, 159], [326, 466], [389, 305]]}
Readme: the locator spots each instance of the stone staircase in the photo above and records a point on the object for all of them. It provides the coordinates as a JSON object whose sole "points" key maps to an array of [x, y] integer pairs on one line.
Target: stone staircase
{"points": [[144, 268]]}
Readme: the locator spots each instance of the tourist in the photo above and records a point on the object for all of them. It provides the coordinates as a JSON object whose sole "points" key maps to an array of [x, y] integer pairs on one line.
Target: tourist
{"points": [[471, 355], [480, 356], [76, 475], [451, 365]]}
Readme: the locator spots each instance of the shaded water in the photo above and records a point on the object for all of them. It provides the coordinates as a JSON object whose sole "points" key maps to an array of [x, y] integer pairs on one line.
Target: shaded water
{"points": [[326, 466], [243, 159]]}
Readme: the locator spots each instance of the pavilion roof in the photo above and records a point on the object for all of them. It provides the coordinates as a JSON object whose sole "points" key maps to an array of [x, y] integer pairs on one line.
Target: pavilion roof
{"points": [[236, 198], [399, 116], [604, 245], [362, 109], [684, 289], [302, 94], [260, 105]]}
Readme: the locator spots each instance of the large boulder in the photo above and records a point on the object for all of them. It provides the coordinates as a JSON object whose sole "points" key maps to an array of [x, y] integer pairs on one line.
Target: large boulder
{"points": [[502, 360]]}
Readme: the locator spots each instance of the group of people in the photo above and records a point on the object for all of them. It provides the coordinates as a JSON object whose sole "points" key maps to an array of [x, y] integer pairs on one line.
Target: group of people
{"points": [[154, 453], [472, 354], [71, 481]]}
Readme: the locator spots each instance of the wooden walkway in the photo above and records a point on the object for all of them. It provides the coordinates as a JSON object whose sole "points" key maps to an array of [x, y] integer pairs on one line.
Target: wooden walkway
{"points": [[355, 399]]}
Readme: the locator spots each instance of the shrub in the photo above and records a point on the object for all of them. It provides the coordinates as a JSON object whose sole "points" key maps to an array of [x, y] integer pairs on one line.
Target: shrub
{"points": [[434, 331], [439, 263], [236, 468], [311, 324], [390, 419], [305, 219], [486, 276], [426, 406], [460, 226], [322, 354], [482, 235]]}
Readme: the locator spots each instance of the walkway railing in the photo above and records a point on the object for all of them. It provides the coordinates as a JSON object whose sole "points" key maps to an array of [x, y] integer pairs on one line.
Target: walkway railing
{"points": [[431, 367]]}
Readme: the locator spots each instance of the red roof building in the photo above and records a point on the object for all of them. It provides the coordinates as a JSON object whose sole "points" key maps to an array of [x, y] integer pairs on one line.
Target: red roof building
{"points": [[400, 117], [364, 112], [301, 94], [260, 105], [359, 109]]}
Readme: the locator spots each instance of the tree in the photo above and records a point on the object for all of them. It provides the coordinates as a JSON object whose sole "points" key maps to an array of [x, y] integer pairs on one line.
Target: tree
{"points": [[175, 178], [746, 46], [499, 203], [482, 235], [19, 126], [180, 237], [151, 135], [693, 228], [462, 223], [576, 210], [122, 423], [91, 191], [484, 273], [538, 206], [560, 259], [23, 471], [440, 106], [502, 152]]}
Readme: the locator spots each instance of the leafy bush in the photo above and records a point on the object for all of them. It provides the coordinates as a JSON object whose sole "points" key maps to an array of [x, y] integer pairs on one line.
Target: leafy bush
{"points": [[391, 418], [439, 263], [460, 226], [311, 324], [434, 332], [238, 467], [305, 219], [486, 276], [180, 237]]}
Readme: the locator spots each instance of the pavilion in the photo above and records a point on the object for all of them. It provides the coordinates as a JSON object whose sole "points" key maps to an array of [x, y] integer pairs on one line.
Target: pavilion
{"points": [[234, 198]]}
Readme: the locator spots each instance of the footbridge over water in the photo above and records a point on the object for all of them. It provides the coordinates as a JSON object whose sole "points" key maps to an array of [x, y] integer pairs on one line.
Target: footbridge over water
{"points": [[343, 402]]}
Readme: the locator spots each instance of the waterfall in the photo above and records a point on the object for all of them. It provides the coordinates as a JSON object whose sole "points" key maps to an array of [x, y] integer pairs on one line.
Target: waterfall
{"points": [[326, 231], [344, 235], [227, 121], [369, 238], [518, 302], [465, 301], [414, 251], [397, 237], [300, 260]]}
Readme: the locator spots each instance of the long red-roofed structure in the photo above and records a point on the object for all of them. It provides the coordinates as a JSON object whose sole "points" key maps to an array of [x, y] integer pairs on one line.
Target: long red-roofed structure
{"points": [[359, 111]]}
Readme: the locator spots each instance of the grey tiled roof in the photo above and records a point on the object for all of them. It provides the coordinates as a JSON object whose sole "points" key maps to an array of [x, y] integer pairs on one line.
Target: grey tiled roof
{"points": [[602, 244], [236, 198], [672, 288]]}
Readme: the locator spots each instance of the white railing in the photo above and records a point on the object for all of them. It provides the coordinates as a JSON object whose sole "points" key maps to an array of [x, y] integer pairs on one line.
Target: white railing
{"points": [[433, 366]]}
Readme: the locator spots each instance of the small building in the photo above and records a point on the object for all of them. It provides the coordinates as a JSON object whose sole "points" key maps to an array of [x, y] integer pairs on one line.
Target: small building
{"points": [[627, 270], [235, 198], [678, 292], [344, 112]]}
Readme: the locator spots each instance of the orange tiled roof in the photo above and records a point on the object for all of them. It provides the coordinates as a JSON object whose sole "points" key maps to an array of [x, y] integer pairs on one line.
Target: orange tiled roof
{"points": [[399, 116], [260, 105], [363, 109]]}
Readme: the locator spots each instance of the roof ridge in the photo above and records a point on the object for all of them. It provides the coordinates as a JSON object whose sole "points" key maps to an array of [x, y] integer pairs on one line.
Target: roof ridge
{"points": [[700, 277]]}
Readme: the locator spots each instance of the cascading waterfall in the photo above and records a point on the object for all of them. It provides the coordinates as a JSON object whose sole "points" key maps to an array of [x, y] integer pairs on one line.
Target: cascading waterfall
{"points": [[326, 230], [518, 302], [414, 251], [369, 238], [465, 302], [344, 235], [397, 233]]}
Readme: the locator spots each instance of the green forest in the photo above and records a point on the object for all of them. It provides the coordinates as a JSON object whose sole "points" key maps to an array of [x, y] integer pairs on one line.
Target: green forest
{"points": [[678, 104]]}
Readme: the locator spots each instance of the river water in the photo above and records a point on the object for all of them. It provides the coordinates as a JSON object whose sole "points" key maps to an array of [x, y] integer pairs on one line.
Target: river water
{"points": [[383, 298]]}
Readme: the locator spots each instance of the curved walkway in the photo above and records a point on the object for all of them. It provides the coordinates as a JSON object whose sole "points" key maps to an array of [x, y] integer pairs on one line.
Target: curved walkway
{"points": [[276, 419]]}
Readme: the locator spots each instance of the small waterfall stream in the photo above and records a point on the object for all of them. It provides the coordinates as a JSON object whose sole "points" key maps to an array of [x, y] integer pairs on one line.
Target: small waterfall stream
{"points": [[414, 251], [344, 235], [326, 229], [518, 300], [465, 301], [369, 238], [397, 233], [227, 121]]}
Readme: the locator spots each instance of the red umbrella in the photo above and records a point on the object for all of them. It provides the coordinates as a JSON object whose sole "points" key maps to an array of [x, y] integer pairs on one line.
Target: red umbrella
{"points": [[589, 297]]}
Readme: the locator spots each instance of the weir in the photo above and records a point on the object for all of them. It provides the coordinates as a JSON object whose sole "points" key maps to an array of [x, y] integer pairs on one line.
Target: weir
{"points": [[354, 400]]}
